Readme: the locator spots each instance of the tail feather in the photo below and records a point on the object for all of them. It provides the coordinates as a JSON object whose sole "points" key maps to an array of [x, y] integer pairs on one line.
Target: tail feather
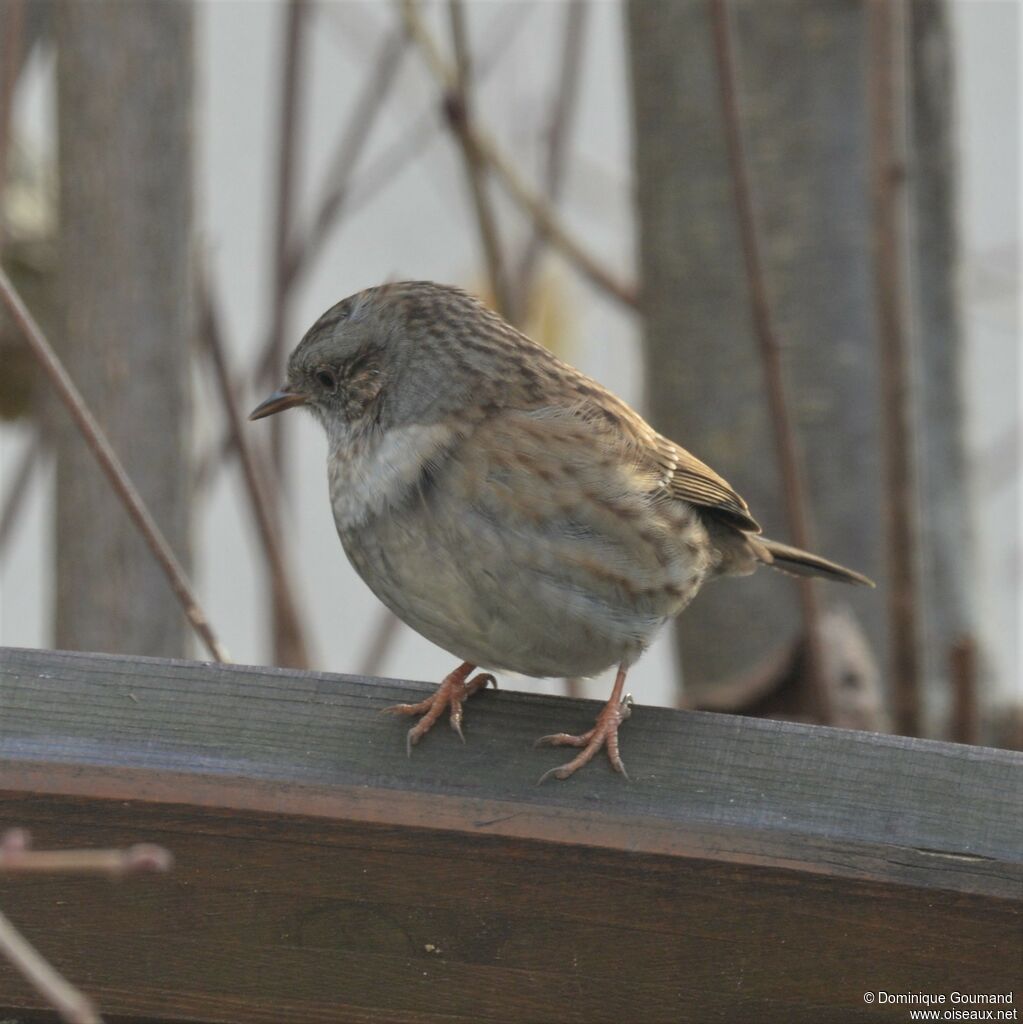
{"points": [[802, 563]]}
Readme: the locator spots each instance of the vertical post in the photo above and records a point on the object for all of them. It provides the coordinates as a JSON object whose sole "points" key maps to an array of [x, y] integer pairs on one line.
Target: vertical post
{"points": [[801, 86], [124, 89]]}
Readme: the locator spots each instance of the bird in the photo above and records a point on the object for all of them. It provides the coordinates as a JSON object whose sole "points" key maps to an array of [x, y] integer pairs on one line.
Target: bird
{"points": [[508, 507]]}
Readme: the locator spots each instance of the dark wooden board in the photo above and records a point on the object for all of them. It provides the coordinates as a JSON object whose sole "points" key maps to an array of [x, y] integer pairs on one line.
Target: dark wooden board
{"points": [[751, 870]]}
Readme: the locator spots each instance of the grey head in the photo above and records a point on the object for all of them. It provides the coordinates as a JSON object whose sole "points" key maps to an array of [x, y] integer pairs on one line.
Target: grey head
{"points": [[400, 353]]}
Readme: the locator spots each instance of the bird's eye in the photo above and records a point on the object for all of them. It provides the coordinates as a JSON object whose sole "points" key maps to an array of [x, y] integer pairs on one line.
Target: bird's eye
{"points": [[327, 379]]}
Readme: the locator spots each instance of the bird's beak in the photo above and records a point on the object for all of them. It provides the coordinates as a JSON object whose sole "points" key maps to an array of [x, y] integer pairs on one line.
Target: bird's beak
{"points": [[279, 401]]}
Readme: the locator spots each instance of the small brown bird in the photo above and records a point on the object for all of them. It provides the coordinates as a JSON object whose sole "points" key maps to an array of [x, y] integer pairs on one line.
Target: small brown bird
{"points": [[504, 505]]}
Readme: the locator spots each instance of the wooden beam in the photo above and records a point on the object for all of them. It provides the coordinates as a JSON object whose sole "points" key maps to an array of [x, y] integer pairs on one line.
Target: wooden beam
{"points": [[751, 870]]}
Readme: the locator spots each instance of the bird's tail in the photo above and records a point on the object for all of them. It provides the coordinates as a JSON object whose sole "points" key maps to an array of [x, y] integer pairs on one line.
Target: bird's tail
{"points": [[802, 563]]}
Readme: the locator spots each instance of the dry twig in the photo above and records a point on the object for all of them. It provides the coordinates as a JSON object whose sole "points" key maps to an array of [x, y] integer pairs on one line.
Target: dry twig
{"points": [[289, 625], [73, 1006], [350, 147], [16, 856], [302, 250], [770, 353], [286, 649], [506, 173], [458, 109], [111, 465], [887, 91], [563, 105], [288, 142]]}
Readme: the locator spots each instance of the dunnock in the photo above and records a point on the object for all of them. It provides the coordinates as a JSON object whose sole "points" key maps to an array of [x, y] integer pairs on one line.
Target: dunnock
{"points": [[506, 506]]}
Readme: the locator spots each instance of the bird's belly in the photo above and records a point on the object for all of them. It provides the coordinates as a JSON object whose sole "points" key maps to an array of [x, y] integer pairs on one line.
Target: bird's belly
{"points": [[502, 599]]}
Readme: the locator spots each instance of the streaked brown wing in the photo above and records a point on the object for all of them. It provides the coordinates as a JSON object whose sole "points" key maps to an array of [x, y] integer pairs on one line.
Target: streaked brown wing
{"points": [[694, 481]]}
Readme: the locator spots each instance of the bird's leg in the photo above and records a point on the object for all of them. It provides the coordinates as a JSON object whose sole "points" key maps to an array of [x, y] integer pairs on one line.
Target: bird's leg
{"points": [[603, 734], [450, 694]]}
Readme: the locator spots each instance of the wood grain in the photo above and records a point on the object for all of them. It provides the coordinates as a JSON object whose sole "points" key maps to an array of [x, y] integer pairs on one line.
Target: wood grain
{"points": [[752, 870]]}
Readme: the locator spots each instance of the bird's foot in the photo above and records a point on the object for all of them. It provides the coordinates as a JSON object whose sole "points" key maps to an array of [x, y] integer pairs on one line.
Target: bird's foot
{"points": [[603, 734], [452, 692]]}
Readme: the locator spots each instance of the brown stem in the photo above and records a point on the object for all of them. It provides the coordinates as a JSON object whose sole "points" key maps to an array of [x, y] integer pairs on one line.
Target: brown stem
{"points": [[342, 195], [142, 858], [551, 228], [458, 108], [533, 204], [292, 648], [303, 249], [350, 147], [770, 352], [887, 90], [73, 1006], [289, 141], [111, 466], [563, 106]]}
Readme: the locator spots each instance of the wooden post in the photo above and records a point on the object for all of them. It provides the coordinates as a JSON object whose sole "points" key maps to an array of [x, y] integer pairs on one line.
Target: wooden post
{"points": [[800, 70], [124, 91], [752, 869]]}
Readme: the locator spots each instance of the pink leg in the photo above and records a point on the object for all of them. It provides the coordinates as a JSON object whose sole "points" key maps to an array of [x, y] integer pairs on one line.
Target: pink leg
{"points": [[450, 694], [603, 734]]}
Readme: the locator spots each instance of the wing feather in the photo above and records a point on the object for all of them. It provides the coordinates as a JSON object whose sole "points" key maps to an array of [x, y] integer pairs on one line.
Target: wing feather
{"points": [[694, 481]]}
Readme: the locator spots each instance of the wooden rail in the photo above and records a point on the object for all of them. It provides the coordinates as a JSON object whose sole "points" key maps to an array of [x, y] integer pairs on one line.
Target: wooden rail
{"points": [[751, 871]]}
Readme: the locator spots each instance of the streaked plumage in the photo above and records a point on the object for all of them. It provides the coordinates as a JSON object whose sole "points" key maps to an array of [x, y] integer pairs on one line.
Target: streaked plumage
{"points": [[503, 504]]}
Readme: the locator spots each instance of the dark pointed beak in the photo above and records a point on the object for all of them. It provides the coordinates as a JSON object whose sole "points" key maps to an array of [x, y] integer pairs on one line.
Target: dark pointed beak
{"points": [[277, 402]]}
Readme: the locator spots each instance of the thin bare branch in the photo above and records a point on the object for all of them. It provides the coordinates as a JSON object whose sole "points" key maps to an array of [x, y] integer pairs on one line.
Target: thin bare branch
{"points": [[288, 142], [342, 194], [339, 192], [395, 159], [507, 23], [112, 467], [73, 1006], [291, 634], [885, 28], [20, 480], [563, 107], [458, 108], [16, 857], [507, 174], [551, 228], [786, 442], [350, 147], [303, 249]]}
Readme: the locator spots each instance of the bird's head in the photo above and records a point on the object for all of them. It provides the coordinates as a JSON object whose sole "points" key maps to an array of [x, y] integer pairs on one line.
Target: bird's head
{"points": [[390, 355]]}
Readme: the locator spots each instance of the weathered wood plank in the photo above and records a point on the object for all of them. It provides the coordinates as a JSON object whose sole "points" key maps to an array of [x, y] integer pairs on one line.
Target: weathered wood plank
{"points": [[750, 870]]}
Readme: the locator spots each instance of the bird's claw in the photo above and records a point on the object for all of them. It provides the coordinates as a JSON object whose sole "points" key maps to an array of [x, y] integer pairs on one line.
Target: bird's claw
{"points": [[603, 734], [451, 693]]}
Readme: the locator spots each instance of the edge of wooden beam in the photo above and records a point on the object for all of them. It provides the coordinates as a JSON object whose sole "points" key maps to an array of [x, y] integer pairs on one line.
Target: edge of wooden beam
{"points": [[749, 791]]}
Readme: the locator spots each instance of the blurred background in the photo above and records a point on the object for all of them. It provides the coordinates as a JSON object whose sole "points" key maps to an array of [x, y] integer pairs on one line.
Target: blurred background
{"points": [[187, 186]]}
